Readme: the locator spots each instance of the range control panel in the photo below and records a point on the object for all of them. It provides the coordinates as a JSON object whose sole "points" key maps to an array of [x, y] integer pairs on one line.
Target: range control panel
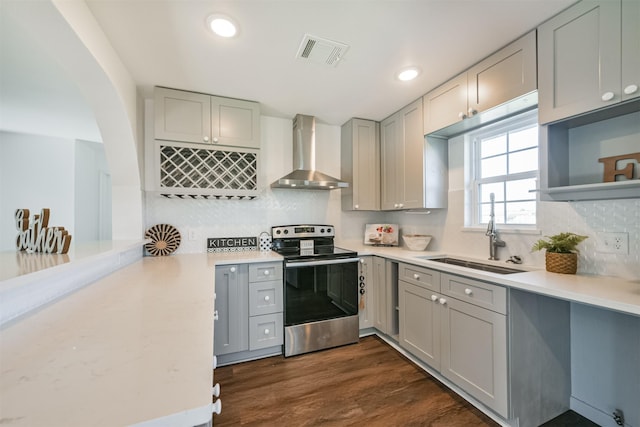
{"points": [[302, 231]]}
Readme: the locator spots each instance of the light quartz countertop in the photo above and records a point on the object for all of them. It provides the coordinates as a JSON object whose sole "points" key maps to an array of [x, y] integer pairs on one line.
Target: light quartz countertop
{"points": [[133, 347], [612, 293]]}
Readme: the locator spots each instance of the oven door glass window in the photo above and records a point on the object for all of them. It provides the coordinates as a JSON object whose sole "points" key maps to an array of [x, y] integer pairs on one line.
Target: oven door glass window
{"points": [[320, 292]]}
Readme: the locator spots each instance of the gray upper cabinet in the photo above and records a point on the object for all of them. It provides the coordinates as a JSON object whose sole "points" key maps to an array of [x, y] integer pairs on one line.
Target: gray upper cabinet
{"points": [[504, 76], [205, 119], [360, 165], [445, 105], [588, 58], [413, 171], [182, 116]]}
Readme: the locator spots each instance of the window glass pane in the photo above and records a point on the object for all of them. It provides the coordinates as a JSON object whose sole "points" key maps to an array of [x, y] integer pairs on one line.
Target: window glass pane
{"points": [[493, 166], [493, 146], [524, 138], [486, 189], [519, 189], [523, 161], [521, 213], [485, 211]]}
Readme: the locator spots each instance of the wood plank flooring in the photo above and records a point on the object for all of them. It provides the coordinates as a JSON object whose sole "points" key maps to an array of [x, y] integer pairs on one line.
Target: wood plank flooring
{"points": [[364, 384]]}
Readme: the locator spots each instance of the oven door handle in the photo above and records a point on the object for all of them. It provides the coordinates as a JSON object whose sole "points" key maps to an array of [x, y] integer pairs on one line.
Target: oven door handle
{"points": [[293, 264]]}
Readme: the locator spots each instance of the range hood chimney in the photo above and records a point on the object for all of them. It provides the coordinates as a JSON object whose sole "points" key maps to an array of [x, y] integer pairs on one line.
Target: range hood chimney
{"points": [[305, 176]]}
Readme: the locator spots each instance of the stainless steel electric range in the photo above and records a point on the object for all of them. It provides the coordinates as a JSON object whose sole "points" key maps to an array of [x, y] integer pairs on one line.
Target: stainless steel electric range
{"points": [[320, 288]]}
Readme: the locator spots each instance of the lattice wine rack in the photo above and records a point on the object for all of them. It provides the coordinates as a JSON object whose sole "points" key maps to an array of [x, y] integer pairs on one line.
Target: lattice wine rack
{"points": [[189, 172]]}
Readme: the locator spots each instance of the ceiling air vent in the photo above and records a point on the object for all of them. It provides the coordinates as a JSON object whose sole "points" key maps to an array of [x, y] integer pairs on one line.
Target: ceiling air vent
{"points": [[321, 51]]}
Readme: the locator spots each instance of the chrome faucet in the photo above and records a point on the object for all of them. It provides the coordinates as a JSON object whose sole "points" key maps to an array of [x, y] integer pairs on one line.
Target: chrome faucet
{"points": [[492, 232]]}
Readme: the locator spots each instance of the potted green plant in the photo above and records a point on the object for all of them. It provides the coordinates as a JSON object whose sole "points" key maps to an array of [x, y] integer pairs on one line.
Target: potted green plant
{"points": [[561, 253]]}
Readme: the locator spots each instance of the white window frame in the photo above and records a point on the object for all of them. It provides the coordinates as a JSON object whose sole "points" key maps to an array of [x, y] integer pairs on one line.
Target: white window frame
{"points": [[472, 213]]}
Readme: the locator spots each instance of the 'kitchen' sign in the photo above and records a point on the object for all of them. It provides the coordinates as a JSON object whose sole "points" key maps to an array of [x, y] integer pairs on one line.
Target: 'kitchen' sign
{"points": [[232, 244]]}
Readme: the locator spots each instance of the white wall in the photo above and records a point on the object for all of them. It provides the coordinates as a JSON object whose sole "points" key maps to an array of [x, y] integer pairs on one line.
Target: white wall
{"points": [[90, 193], [36, 172], [39, 172]]}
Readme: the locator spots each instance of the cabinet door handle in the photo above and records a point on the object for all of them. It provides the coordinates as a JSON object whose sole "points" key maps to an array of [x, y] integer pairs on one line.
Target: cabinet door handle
{"points": [[215, 390], [442, 301], [401, 205], [232, 269], [630, 89], [215, 362], [266, 298], [468, 291], [215, 140], [216, 407], [361, 261], [215, 315], [434, 298], [462, 115], [266, 331], [205, 138], [356, 206], [607, 96], [472, 112]]}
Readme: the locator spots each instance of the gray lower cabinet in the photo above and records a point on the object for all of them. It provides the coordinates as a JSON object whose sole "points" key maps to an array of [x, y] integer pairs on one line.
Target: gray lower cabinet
{"points": [[366, 282], [474, 352], [232, 295], [385, 275], [419, 323], [249, 302], [457, 326]]}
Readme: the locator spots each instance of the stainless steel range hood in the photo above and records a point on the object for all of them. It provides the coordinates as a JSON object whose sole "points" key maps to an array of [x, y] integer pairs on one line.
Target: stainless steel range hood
{"points": [[305, 176]]}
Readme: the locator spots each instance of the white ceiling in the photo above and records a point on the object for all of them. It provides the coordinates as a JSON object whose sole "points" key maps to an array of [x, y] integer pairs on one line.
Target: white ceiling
{"points": [[166, 43]]}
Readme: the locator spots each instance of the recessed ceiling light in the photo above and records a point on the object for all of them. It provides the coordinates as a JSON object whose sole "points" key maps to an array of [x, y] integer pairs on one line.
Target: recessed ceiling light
{"points": [[408, 73], [222, 25]]}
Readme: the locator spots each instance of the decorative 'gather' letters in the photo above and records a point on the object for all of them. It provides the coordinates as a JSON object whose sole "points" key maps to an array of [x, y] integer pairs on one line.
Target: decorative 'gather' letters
{"points": [[38, 236], [610, 171]]}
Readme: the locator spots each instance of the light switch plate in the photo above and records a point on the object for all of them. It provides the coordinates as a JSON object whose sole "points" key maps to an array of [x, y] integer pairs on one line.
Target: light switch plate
{"points": [[613, 243]]}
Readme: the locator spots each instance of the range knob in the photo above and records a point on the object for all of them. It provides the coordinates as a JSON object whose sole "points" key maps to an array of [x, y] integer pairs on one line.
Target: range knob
{"points": [[328, 230], [322, 230], [286, 231], [278, 231]]}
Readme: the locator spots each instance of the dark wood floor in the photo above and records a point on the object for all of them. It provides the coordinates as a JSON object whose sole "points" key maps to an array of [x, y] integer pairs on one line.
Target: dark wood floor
{"points": [[368, 383]]}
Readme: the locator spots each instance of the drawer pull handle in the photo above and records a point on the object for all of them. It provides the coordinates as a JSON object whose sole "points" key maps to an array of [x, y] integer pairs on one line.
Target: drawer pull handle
{"points": [[215, 315], [215, 362], [630, 89], [232, 269], [215, 390], [266, 272], [266, 331], [266, 298], [416, 276], [468, 291], [434, 298], [216, 408], [607, 96], [442, 301]]}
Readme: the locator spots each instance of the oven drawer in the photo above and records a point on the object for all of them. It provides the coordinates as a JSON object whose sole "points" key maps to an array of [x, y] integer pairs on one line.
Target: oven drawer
{"points": [[482, 294], [419, 276], [264, 272], [265, 297], [265, 331]]}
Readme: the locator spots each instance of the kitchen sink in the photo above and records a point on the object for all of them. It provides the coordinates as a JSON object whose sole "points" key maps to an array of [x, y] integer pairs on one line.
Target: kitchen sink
{"points": [[475, 265]]}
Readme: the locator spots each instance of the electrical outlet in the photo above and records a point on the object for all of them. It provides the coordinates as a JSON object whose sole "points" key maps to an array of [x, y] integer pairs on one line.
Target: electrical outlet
{"points": [[193, 234], [614, 243]]}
